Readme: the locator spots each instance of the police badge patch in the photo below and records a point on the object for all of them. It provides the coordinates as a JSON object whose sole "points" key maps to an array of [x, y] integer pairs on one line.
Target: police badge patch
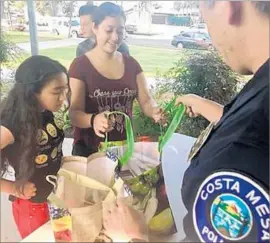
{"points": [[229, 206]]}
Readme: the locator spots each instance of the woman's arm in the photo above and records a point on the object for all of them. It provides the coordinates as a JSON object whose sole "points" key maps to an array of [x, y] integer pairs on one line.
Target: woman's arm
{"points": [[77, 105], [78, 116], [146, 102]]}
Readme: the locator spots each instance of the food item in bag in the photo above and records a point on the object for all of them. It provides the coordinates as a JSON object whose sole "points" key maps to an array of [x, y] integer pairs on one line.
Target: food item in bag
{"points": [[162, 223], [151, 207], [61, 224], [150, 197], [141, 185]]}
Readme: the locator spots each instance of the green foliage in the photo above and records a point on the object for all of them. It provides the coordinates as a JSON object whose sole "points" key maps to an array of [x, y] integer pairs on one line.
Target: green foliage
{"points": [[62, 117], [145, 126], [9, 52], [203, 73]]}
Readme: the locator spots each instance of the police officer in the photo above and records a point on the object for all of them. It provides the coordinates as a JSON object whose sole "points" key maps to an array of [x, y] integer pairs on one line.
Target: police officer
{"points": [[226, 187]]}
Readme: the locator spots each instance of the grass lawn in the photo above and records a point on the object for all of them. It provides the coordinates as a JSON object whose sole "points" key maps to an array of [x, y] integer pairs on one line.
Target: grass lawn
{"points": [[64, 55], [151, 59], [22, 37]]}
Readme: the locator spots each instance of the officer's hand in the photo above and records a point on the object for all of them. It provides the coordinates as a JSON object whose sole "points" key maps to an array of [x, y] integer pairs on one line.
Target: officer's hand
{"points": [[197, 105], [193, 104], [123, 223]]}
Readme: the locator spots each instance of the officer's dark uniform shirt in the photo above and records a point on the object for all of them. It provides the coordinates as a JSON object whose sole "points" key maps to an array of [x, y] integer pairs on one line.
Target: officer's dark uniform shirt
{"points": [[48, 159], [222, 185]]}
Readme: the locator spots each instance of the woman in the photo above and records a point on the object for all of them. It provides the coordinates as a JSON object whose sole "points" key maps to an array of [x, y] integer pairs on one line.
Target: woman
{"points": [[105, 80], [31, 139]]}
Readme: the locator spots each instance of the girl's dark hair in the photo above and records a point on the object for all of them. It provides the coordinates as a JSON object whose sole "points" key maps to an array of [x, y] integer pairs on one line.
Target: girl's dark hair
{"points": [[107, 10], [22, 112]]}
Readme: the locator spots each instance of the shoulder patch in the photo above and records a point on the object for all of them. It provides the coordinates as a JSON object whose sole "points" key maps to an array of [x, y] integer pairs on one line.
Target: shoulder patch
{"points": [[229, 206]]}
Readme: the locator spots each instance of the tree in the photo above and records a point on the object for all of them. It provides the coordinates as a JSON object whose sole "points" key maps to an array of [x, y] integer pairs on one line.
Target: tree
{"points": [[9, 54], [68, 8], [203, 73], [43, 7], [14, 10], [47, 7], [9, 13], [145, 9], [2, 8], [177, 5]]}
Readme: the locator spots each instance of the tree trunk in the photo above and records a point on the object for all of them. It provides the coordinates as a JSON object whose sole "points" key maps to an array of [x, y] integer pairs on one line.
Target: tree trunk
{"points": [[70, 18], [9, 14], [2, 9]]}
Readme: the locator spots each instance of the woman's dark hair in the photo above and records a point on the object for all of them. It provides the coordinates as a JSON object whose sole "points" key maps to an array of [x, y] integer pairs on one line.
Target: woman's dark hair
{"points": [[107, 10], [22, 111]]}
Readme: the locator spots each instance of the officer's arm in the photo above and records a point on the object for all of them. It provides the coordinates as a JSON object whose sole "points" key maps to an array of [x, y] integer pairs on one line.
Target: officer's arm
{"points": [[235, 179], [198, 106]]}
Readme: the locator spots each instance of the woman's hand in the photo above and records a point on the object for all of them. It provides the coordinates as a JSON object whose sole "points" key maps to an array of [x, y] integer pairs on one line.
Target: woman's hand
{"points": [[101, 124], [122, 223], [159, 116], [27, 191]]}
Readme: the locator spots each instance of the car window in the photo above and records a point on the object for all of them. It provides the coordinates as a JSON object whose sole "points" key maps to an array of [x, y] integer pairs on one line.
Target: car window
{"points": [[74, 23], [201, 36], [187, 35]]}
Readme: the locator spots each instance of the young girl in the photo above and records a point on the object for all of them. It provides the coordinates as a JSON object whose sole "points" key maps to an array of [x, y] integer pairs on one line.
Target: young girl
{"points": [[31, 139], [105, 80]]}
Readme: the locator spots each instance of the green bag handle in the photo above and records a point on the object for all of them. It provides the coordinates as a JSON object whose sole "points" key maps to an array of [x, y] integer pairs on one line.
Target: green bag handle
{"points": [[178, 111], [130, 139]]}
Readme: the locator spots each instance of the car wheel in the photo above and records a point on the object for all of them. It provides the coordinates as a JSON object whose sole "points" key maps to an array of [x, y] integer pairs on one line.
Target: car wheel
{"points": [[211, 48], [74, 34], [180, 45], [55, 32]]}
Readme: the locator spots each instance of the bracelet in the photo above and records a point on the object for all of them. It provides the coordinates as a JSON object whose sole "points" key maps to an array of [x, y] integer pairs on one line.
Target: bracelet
{"points": [[92, 120]]}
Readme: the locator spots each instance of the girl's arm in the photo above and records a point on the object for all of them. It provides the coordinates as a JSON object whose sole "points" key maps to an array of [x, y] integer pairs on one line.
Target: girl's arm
{"points": [[6, 137], [28, 190]]}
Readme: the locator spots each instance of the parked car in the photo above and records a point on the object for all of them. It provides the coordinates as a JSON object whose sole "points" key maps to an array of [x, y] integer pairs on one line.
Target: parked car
{"points": [[19, 27], [131, 28], [201, 26], [61, 27], [192, 40]]}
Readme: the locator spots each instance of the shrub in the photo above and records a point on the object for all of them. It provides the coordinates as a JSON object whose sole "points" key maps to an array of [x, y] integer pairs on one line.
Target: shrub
{"points": [[203, 73]]}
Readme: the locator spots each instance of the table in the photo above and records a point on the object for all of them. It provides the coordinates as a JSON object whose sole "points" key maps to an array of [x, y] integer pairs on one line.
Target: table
{"points": [[174, 159]]}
